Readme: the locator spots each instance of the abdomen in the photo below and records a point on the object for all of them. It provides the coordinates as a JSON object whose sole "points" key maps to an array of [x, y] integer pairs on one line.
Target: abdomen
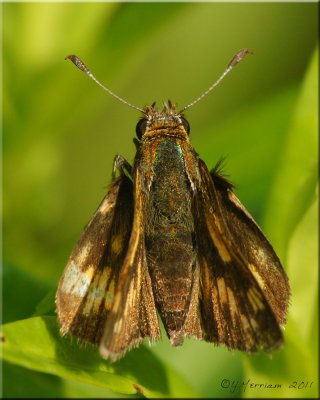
{"points": [[169, 235]]}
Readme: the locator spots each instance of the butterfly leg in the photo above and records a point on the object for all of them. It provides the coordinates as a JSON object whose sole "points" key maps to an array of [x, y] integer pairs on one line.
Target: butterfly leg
{"points": [[122, 165]]}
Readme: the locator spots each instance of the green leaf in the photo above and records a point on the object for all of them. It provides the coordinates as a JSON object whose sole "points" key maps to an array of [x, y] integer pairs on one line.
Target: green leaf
{"points": [[36, 344], [32, 384]]}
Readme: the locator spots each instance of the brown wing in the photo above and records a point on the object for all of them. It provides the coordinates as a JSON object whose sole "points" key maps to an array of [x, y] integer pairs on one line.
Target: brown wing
{"points": [[86, 289], [257, 252], [237, 306], [133, 315]]}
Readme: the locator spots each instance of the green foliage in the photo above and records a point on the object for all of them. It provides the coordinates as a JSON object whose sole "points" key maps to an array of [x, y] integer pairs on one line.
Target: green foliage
{"points": [[61, 134], [45, 350]]}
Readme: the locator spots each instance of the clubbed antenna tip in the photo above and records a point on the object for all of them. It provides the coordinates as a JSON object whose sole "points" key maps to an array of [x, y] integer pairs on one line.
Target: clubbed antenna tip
{"points": [[235, 60], [82, 66]]}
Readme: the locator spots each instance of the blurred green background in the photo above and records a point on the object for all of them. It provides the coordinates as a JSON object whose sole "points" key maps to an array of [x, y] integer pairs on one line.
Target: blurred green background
{"points": [[61, 132]]}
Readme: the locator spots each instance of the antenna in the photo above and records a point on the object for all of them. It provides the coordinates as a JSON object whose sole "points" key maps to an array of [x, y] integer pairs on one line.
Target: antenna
{"points": [[81, 65], [236, 59]]}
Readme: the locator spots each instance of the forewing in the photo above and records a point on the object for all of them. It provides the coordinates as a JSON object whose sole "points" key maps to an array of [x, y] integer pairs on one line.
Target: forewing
{"points": [[236, 308], [256, 251], [86, 289], [133, 315]]}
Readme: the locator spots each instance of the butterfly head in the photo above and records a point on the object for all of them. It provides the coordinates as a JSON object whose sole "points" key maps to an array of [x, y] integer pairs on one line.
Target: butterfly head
{"points": [[168, 119]]}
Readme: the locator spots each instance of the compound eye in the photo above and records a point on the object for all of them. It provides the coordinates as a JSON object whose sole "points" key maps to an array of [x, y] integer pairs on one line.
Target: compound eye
{"points": [[141, 127], [185, 124]]}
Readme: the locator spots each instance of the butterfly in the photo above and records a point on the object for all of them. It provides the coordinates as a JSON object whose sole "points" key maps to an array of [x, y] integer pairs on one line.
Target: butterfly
{"points": [[170, 239]]}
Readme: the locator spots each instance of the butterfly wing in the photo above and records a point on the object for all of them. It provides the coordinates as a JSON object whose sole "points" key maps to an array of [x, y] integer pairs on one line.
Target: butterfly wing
{"points": [[240, 307], [133, 315], [257, 252], [86, 289]]}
